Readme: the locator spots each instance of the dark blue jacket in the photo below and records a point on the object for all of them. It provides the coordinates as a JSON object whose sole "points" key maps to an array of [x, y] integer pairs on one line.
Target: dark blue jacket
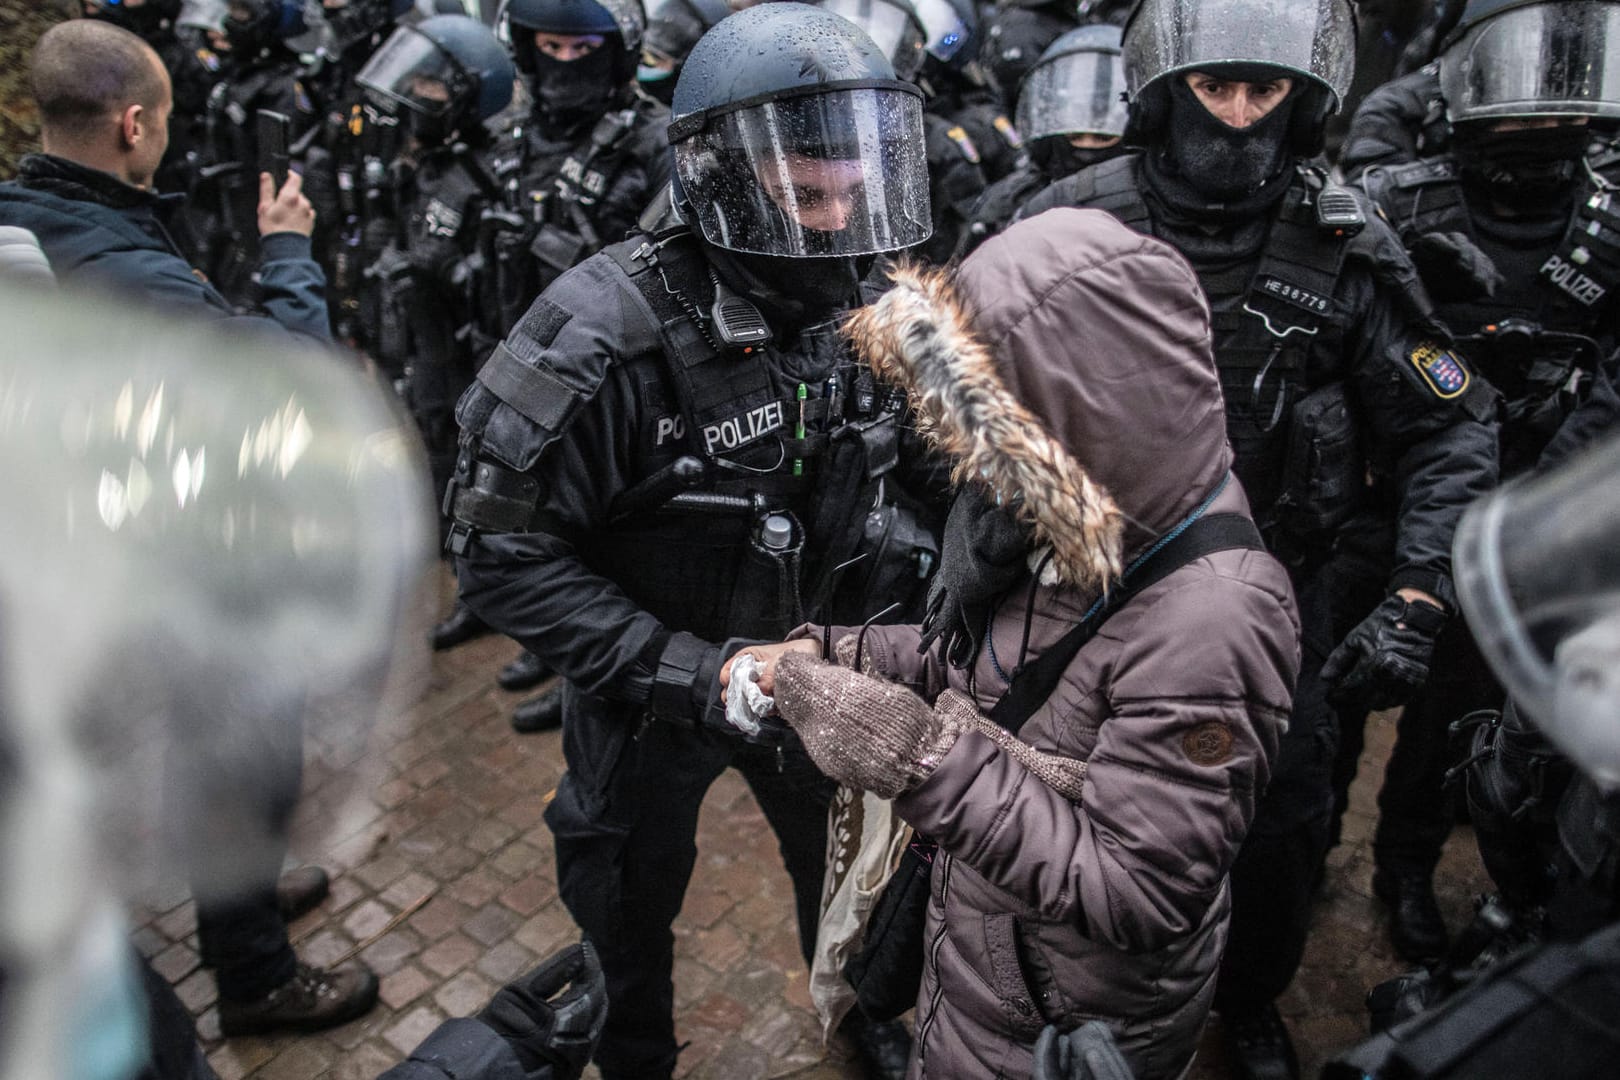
{"points": [[101, 232]]}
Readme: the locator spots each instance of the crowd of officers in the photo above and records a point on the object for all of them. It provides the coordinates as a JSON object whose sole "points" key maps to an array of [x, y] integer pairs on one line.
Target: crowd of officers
{"points": [[671, 449]]}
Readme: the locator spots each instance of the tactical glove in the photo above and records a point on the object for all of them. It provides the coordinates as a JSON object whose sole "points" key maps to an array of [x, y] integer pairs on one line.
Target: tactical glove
{"points": [[866, 732], [1453, 267], [553, 1016], [1384, 661]]}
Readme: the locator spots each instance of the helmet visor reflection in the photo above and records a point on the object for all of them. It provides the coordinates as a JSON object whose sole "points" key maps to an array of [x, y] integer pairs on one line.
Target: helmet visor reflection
{"points": [[841, 172]]}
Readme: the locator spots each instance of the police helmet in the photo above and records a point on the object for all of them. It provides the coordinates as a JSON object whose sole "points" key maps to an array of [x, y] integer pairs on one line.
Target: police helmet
{"points": [[620, 22], [447, 65], [253, 25], [952, 29], [202, 15], [894, 25], [1514, 58], [1312, 42], [356, 20], [792, 137], [1077, 86]]}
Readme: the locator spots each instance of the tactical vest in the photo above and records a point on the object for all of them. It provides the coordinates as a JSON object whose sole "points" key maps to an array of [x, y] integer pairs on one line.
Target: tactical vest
{"points": [[1582, 274], [1278, 328], [548, 218], [1541, 375], [819, 456]]}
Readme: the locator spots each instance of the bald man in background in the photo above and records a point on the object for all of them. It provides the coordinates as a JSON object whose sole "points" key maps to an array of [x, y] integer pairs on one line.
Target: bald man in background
{"points": [[104, 101]]}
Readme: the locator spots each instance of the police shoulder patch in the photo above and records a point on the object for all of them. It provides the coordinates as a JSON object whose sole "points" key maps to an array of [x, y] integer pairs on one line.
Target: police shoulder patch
{"points": [[301, 99], [1441, 369], [959, 136], [1008, 133]]}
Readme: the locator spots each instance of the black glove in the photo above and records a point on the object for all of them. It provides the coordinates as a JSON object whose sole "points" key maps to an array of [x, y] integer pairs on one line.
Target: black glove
{"points": [[1384, 661], [1453, 267], [553, 1036]]}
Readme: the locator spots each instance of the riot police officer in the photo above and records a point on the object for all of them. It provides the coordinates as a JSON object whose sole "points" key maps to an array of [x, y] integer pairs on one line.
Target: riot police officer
{"points": [[1071, 114], [589, 155], [673, 27], [346, 169], [955, 171], [1018, 33], [1347, 409], [1509, 231], [673, 451], [447, 74], [958, 89], [265, 73]]}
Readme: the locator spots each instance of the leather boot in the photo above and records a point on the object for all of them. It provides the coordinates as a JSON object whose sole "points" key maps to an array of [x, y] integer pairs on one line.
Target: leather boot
{"points": [[1416, 927], [313, 999], [460, 626], [1258, 1046], [524, 673], [300, 889], [542, 713]]}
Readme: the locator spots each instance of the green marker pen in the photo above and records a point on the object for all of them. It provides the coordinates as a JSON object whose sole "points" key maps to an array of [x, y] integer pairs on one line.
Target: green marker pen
{"points": [[798, 430]]}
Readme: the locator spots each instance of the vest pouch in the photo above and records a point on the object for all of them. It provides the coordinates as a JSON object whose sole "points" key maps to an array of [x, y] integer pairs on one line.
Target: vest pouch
{"points": [[765, 601], [391, 277], [899, 557], [1324, 472], [557, 249]]}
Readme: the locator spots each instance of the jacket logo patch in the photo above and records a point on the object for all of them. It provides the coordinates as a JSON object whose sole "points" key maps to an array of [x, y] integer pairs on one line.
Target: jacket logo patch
{"points": [[1568, 277], [743, 428], [1304, 299], [959, 136], [1208, 744], [1440, 368]]}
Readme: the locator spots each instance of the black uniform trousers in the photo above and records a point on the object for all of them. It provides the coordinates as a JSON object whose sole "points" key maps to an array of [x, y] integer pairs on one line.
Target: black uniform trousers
{"points": [[625, 822], [1280, 862]]}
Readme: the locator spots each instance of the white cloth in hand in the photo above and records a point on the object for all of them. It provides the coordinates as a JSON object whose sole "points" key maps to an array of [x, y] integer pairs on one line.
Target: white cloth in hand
{"points": [[746, 703]]}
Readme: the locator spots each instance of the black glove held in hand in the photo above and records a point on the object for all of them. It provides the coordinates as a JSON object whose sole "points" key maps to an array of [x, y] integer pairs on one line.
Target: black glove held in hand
{"points": [[1384, 661], [1453, 267], [553, 1036]]}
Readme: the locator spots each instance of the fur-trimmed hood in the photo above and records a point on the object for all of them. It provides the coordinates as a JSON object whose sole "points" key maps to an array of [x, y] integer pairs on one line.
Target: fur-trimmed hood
{"points": [[1066, 364]]}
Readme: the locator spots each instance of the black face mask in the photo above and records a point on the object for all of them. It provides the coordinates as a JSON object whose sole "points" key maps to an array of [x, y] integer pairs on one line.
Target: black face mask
{"points": [[1055, 157], [569, 92], [1221, 162], [795, 291], [429, 131], [248, 38], [1522, 169]]}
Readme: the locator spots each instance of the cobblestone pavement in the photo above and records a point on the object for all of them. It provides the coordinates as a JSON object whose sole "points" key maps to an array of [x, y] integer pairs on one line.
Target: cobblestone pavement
{"points": [[444, 882]]}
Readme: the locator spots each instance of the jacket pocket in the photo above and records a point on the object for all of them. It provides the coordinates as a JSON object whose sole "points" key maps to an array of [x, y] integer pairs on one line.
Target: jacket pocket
{"points": [[1020, 1000]]}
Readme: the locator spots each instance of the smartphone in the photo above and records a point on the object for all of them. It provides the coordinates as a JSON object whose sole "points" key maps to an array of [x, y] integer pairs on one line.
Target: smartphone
{"points": [[273, 131]]}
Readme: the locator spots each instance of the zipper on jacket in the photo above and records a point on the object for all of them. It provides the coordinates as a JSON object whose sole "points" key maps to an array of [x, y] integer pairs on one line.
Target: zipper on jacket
{"points": [[933, 962]]}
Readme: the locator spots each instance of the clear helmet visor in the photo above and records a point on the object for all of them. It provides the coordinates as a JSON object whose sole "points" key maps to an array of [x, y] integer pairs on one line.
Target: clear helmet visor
{"points": [[840, 172], [893, 29], [1537, 567], [1541, 60], [1313, 39], [410, 70], [1071, 94], [947, 32]]}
